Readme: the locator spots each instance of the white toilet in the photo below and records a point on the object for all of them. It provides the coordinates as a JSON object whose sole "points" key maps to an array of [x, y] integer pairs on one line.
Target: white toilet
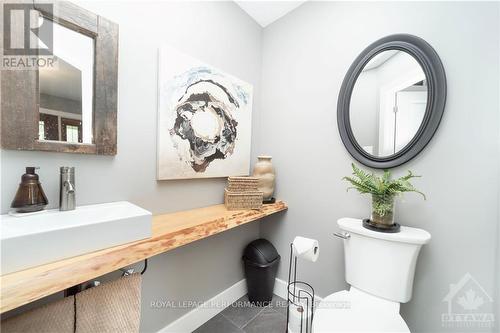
{"points": [[379, 268]]}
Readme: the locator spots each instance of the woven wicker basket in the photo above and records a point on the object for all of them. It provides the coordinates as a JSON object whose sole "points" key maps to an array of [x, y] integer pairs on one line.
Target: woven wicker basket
{"points": [[243, 200], [242, 179], [242, 184], [242, 188]]}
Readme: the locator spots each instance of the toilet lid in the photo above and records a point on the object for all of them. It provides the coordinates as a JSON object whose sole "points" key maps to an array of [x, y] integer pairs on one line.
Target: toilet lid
{"points": [[347, 312]]}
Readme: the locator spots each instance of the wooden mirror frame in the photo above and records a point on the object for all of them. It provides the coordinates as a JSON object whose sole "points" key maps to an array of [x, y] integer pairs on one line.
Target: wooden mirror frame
{"points": [[434, 72], [20, 97]]}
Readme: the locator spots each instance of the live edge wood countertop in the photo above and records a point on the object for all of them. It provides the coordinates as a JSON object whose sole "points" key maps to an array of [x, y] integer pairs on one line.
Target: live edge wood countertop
{"points": [[169, 232]]}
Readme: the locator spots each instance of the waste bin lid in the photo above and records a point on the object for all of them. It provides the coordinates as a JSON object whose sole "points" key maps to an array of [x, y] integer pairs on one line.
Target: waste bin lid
{"points": [[260, 251]]}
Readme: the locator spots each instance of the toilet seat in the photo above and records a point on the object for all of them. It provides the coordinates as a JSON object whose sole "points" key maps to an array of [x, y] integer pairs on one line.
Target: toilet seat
{"points": [[357, 311]]}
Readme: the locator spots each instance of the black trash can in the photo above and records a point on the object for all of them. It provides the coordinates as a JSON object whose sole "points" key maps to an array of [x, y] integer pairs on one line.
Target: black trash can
{"points": [[261, 264]]}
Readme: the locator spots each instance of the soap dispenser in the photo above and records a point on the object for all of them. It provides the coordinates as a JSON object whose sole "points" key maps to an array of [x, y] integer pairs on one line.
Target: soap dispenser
{"points": [[29, 197]]}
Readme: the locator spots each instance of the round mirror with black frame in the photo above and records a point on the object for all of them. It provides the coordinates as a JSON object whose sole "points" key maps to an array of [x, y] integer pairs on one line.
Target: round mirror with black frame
{"points": [[391, 101]]}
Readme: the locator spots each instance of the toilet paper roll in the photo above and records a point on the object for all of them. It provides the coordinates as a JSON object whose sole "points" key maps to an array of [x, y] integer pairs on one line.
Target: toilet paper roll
{"points": [[306, 248]]}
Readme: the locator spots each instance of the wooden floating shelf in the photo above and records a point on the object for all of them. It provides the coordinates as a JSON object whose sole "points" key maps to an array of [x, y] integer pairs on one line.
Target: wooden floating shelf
{"points": [[170, 231]]}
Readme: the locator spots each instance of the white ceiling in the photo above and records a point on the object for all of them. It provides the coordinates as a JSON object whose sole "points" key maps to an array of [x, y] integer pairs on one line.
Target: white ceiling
{"points": [[380, 59], [266, 12], [65, 81]]}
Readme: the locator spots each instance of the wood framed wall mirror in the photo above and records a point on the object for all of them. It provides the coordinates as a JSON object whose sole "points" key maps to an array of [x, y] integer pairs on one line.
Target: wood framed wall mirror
{"points": [[67, 101], [391, 101]]}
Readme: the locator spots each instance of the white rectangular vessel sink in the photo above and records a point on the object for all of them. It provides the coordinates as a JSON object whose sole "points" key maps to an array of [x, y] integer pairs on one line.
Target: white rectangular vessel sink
{"points": [[52, 235]]}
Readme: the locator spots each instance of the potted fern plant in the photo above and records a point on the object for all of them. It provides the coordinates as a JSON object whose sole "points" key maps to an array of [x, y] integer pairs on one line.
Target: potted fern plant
{"points": [[383, 190]]}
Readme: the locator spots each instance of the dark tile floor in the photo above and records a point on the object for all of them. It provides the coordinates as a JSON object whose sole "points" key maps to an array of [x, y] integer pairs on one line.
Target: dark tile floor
{"points": [[243, 317]]}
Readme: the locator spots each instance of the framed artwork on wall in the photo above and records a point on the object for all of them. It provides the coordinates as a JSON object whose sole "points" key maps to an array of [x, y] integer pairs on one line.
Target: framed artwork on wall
{"points": [[204, 119]]}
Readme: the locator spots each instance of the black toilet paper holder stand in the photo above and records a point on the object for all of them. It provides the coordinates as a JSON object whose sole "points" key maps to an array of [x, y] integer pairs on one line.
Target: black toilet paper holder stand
{"points": [[300, 295]]}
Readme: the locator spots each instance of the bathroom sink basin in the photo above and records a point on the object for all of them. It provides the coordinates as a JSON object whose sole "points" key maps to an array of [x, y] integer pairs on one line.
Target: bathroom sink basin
{"points": [[52, 235]]}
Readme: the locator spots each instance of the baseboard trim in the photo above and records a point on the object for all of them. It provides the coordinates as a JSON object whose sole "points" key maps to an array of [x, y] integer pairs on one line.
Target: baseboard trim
{"points": [[281, 287], [197, 317]]}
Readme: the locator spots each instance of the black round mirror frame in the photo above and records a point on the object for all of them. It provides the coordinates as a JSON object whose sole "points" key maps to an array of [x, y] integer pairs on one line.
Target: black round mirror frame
{"points": [[433, 69]]}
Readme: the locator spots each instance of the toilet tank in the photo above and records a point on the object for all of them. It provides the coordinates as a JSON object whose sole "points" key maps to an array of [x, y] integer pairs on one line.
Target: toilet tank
{"points": [[382, 264]]}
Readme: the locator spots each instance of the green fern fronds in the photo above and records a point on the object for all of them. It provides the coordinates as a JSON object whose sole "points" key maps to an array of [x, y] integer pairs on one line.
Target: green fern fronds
{"points": [[382, 186]]}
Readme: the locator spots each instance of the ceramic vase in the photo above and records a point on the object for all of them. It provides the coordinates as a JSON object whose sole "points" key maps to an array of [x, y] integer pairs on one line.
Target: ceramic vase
{"points": [[264, 171]]}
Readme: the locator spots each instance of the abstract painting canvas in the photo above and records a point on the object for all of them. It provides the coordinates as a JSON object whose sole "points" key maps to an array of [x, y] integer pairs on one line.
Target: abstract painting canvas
{"points": [[204, 119]]}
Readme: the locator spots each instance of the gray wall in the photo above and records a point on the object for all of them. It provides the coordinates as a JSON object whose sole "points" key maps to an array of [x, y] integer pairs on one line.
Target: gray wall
{"points": [[497, 277], [60, 104], [305, 57], [219, 33]]}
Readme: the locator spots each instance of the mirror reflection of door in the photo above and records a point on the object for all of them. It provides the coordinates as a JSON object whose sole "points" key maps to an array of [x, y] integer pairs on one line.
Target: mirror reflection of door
{"points": [[388, 103], [66, 90], [48, 127], [71, 130], [409, 110]]}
